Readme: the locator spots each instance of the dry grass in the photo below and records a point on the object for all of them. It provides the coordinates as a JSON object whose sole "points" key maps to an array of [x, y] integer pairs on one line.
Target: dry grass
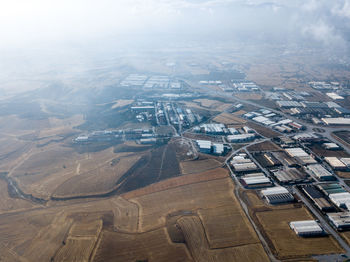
{"points": [[8, 203], [152, 246], [154, 207], [229, 119], [248, 96], [213, 104], [264, 131], [227, 226], [126, 215], [194, 234], [197, 166], [267, 146], [76, 250], [121, 103], [217, 173], [286, 243], [102, 179]]}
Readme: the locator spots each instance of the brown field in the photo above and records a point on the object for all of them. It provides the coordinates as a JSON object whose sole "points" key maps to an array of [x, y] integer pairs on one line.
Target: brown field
{"points": [[213, 104], [133, 226], [102, 179], [152, 212], [76, 250], [252, 199], [152, 246], [227, 226], [286, 244], [126, 215], [264, 131], [196, 241], [121, 103], [248, 96], [178, 181], [80, 242], [343, 174], [346, 236], [197, 166], [229, 119], [201, 136], [320, 151], [343, 136], [8, 203], [273, 223], [264, 146]]}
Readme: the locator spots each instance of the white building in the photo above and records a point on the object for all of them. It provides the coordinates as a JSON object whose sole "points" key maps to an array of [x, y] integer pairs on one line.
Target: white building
{"points": [[341, 200], [306, 228], [276, 195], [320, 172]]}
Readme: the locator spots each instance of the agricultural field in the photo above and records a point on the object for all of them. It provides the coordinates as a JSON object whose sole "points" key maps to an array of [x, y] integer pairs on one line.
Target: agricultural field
{"points": [[138, 225], [196, 166], [322, 152], [264, 131], [196, 241], [266, 146], [229, 119], [213, 104], [248, 96], [285, 242], [343, 136], [273, 222], [121, 103]]}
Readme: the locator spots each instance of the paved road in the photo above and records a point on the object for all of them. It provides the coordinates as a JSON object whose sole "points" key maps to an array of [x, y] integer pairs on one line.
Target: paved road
{"points": [[244, 206], [323, 221], [309, 126]]}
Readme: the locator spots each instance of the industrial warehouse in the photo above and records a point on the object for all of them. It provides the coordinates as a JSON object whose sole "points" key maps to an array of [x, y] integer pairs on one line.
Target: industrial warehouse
{"points": [[307, 228], [277, 195]]}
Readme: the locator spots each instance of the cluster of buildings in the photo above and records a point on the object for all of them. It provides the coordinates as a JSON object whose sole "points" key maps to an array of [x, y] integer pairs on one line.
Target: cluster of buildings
{"points": [[152, 82], [134, 80], [144, 136], [233, 135], [245, 87], [208, 147], [327, 113], [249, 174], [280, 93], [322, 85], [338, 163], [273, 120], [164, 113], [333, 200]]}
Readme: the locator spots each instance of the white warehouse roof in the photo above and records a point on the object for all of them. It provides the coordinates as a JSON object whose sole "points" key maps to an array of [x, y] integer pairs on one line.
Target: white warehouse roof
{"points": [[340, 199], [299, 152], [274, 191], [306, 227]]}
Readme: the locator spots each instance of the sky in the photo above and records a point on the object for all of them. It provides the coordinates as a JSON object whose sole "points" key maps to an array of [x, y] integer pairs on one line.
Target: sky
{"points": [[57, 36], [24, 23]]}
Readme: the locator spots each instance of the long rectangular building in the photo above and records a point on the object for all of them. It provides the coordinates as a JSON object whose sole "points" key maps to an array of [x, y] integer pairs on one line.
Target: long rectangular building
{"points": [[306, 228], [277, 195], [290, 175], [340, 220], [335, 163], [320, 172], [318, 198]]}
